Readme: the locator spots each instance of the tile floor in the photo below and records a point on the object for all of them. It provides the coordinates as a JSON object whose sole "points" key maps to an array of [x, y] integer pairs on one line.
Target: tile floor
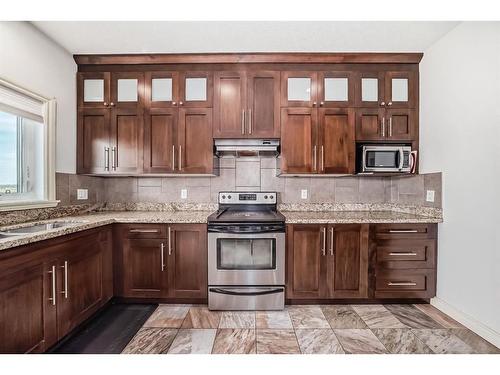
{"points": [[311, 329]]}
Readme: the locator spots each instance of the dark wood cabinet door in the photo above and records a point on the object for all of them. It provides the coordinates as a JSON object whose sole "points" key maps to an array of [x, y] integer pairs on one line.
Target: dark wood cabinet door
{"points": [[195, 150], [160, 140], [145, 268], [337, 140], [230, 105], [127, 90], [306, 261], [299, 150], [299, 89], [93, 89], [195, 89], [263, 117], [347, 275], [187, 261], [81, 289], [27, 315], [336, 89], [401, 89], [369, 89], [401, 124], [93, 141], [370, 124], [126, 154], [161, 89]]}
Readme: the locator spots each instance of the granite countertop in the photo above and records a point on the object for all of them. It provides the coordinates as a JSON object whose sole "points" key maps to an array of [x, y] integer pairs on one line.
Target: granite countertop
{"points": [[97, 219]]}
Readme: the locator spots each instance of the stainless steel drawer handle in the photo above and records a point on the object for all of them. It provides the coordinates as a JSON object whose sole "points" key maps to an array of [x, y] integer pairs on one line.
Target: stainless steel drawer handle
{"points": [[403, 231], [323, 247], [403, 254], [144, 231], [162, 256], [53, 274], [65, 291], [331, 241], [390, 283], [169, 241]]}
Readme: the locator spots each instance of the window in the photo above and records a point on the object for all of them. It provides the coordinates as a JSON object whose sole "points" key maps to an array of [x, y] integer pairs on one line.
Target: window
{"points": [[27, 176]]}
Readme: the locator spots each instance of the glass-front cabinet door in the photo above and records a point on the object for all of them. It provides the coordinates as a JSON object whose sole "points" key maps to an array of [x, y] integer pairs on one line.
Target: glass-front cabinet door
{"points": [[400, 89], [127, 89], [93, 90], [298, 89], [161, 89], [196, 89], [369, 89], [335, 89]]}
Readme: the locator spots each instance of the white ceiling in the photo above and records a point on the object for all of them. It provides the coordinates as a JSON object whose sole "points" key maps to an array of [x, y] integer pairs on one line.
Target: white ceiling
{"points": [[184, 37]]}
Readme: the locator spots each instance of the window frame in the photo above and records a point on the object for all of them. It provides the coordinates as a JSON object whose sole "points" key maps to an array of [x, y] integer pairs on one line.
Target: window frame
{"points": [[49, 109]]}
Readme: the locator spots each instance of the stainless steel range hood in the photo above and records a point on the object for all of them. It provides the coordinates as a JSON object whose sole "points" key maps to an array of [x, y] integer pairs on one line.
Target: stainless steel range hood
{"points": [[247, 146]]}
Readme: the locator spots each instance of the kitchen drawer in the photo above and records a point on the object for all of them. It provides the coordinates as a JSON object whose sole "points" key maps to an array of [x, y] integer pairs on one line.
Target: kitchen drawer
{"points": [[145, 231], [399, 231], [406, 253], [416, 283]]}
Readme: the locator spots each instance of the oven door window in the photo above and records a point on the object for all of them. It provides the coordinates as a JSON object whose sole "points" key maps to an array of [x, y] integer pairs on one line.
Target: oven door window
{"points": [[246, 254], [382, 159]]}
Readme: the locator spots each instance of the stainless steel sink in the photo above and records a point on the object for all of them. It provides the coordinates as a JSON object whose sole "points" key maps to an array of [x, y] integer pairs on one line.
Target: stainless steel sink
{"points": [[37, 228]]}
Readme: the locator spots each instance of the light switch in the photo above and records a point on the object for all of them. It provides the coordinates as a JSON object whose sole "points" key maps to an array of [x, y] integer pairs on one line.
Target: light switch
{"points": [[82, 194], [429, 196], [303, 193], [184, 193]]}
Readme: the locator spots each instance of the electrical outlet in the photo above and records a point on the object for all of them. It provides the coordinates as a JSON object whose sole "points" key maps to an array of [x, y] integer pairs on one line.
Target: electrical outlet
{"points": [[429, 196], [82, 194], [184, 193], [303, 193]]}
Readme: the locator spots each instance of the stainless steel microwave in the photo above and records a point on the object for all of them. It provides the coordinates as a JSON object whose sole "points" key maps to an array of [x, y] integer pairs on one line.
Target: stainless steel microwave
{"points": [[386, 158]]}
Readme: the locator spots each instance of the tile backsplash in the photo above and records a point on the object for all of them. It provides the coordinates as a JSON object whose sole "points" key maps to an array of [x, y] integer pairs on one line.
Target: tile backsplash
{"points": [[252, 174]]}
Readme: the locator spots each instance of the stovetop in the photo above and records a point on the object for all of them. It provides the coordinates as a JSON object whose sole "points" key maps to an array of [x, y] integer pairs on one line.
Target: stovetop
{"points": [[246, 214]]}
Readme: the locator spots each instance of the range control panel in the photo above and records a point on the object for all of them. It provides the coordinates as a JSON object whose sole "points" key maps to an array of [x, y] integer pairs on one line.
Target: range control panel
{"points": [[240, 197]]}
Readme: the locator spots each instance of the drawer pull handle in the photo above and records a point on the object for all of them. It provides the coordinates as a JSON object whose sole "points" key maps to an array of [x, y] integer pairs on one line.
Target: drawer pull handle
{"points": [[390, 283], [404, 254], [403, 231], [144, 231]]}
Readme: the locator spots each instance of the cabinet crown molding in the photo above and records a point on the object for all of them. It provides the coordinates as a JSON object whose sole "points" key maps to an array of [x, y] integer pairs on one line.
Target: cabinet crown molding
{"points": [[257, 58]]}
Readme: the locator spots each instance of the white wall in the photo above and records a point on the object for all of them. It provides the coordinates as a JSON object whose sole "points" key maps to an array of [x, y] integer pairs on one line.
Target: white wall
{"points": [[460, 136], [31, 60]]}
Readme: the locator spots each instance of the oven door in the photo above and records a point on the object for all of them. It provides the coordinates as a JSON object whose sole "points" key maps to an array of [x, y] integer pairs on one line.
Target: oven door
{"points": [[382, 159], [246, 259]]}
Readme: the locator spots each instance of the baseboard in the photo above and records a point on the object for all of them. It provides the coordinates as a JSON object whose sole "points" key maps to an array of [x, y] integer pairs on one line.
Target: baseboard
{"points": [[468, 321]]}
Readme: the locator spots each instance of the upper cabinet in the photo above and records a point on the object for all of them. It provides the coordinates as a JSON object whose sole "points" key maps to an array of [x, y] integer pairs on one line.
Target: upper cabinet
{"points": [[246, 104], [387, 89]]}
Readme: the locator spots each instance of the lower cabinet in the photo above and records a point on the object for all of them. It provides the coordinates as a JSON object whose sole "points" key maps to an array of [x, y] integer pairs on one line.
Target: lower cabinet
{"points": [[162, 261], [327, 261], [49, 288]]}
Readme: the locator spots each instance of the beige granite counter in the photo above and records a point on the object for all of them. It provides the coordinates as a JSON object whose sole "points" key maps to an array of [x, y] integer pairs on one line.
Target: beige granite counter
{"points": [[354, 217], [84, 222]]}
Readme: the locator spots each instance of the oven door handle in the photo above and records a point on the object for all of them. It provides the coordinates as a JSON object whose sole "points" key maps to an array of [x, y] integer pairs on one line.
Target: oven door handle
{"points": [[232, 293]]}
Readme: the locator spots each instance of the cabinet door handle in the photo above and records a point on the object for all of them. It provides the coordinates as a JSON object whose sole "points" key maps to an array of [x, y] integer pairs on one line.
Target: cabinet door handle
{"points": [[323, 247], [53, 274], [322, 158], [383, 126], [65, 291], [169, 241], [162, 256], [409, 253], [403, 231], [106, 158], [144, 231], [331, 241], [173, 157], [390, 126], [243, 121], [249, 121], [314, 157], [113, 158], [391, 283], [180, 157]]}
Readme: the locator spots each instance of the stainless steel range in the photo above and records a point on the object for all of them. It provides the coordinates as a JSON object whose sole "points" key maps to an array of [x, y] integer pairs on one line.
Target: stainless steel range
{"points": [[246, 253]]}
